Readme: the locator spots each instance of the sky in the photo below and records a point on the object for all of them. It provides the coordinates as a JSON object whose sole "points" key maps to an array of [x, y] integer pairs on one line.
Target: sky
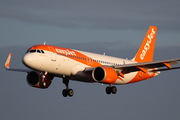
{"points": [[114, 27]]}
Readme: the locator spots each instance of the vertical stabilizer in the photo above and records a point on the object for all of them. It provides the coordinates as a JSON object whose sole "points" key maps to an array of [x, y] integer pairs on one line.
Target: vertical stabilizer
{"points": [[146, 50]]}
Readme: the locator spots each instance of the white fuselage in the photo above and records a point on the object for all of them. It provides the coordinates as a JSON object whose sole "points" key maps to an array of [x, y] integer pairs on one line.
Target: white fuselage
{"points": [[61, 65], [63, 62]]}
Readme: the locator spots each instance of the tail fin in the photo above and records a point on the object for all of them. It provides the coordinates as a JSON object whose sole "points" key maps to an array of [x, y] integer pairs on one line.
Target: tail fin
{"points": [[146, 50]]}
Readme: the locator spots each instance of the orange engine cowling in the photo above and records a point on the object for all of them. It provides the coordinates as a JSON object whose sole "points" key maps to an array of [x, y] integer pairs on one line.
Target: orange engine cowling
{"points": [[34, 79], [104, 75]]}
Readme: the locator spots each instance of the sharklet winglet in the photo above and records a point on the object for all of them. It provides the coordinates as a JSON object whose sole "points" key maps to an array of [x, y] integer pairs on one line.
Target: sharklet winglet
{"points": [[8, 61]]}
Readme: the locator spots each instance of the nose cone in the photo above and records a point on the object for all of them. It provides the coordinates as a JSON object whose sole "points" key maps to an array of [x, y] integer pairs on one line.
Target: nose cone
{"points": [[27, 60]]}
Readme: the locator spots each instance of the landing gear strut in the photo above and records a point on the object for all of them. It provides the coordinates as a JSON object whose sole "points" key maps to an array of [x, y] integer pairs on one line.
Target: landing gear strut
{"points": [[67, 91], [111, 89], [43, 84]]}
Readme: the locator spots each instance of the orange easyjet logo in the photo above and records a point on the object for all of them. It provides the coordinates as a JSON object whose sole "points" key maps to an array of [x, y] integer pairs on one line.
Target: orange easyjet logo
{"points": [[147, 45], [66, 52]]}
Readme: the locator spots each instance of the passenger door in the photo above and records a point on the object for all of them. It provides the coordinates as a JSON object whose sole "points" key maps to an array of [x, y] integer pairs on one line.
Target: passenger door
{"points": [[53, 54]]}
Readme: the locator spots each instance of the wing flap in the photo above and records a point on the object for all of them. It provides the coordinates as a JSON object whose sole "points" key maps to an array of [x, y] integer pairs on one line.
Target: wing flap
{"points": [[147, 65], [165, 69]]}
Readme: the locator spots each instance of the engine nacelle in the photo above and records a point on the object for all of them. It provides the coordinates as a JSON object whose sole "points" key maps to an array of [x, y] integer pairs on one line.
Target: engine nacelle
{"points": [[104, 75], [34, 79]]}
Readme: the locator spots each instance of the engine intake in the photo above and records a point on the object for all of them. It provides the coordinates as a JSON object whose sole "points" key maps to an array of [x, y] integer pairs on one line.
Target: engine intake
{"points": [[105, 75], [34, 79]]}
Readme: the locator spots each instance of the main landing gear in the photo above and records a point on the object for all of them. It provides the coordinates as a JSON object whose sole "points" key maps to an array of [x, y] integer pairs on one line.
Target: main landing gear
{"points": [[67, 92], [111, 89]]}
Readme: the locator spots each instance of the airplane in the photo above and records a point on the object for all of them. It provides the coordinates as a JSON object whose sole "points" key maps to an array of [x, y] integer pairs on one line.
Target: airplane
{"points": [[47, 61]]}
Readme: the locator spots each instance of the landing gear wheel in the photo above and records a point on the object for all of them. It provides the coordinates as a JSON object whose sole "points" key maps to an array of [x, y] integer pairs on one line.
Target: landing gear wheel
{"points": [[70, 92], [42, 84], [108, 90], [113, 90], [65, 93]]}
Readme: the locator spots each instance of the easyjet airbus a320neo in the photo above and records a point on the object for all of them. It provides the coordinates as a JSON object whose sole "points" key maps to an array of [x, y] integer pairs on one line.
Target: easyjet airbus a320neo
{"points": [[47, 62]]}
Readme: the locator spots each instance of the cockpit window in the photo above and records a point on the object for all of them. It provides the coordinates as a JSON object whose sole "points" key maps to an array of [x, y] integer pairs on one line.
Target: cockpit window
{"points": [[38, 51], [42, 51], [32, 51], [35, 50], [27, 51]]}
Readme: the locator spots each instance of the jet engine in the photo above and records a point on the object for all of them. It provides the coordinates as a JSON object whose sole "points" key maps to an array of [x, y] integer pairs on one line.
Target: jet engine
{"points": [[36, 79], [104, 75]]}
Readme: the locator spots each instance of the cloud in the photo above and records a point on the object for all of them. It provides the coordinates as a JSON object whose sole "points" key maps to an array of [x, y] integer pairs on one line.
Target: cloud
{"points": [[95, 14]]}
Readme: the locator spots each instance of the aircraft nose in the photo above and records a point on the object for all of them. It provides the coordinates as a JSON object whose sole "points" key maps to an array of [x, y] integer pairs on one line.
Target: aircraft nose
{"points": [[27, 60]]}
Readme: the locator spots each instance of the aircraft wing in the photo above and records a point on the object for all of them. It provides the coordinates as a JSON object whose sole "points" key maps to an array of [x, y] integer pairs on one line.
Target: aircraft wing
{"points": [[127, 68], [148, 65], [14, 69]]}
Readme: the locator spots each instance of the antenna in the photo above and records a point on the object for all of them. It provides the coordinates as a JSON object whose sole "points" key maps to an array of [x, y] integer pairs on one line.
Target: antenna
{"points": [[44, 43]]}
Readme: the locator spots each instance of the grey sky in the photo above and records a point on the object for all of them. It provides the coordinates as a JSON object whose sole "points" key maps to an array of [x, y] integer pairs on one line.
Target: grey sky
{"points": [[96, 26], [101, 14], [32, 22]]}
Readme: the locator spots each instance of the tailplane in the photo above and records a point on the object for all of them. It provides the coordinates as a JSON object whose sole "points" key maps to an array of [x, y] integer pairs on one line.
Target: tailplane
{"points": [[146, 50]]}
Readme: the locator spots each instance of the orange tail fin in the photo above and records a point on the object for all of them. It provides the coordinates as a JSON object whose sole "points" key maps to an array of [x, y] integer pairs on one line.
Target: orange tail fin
{"points": [[146, 50]]}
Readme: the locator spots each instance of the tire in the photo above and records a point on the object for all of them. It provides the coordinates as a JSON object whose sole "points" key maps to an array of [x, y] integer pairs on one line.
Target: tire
{"points": [[70, 92], [64, 93], [42, 84], [108, 90], [113, 90]]}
